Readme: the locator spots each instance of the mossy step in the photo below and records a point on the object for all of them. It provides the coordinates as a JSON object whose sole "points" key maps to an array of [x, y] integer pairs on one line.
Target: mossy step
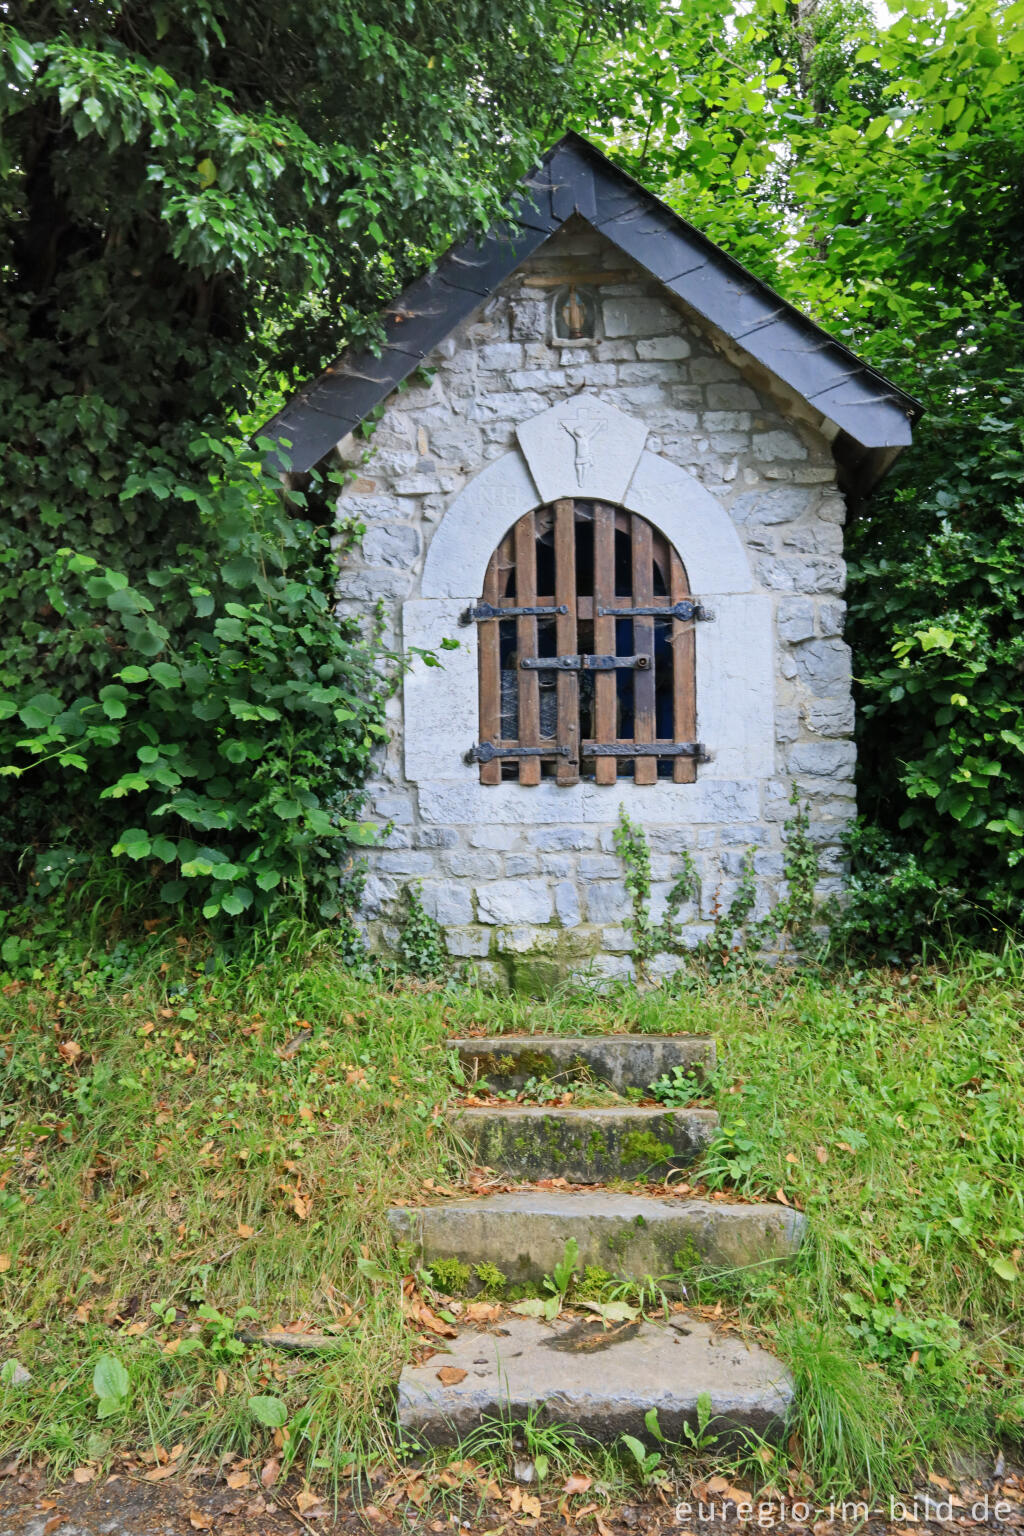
{"points": [[596, 1382], [586, 1146], [523, 1234], [620, 1061]]}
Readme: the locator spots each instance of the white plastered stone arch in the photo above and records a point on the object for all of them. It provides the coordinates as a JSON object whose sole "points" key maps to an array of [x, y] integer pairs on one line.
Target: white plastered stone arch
{"points": [[735, 676], [693, 520]]}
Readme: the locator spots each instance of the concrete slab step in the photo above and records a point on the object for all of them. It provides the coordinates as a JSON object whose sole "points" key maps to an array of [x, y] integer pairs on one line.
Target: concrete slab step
{"points": [[620, 1061], [586, 1146], [596, 1382], [524, 1233]]}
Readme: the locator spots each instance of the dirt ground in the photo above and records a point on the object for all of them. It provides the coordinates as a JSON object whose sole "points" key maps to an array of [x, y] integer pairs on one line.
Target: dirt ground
{"points": [[130, 1504]]}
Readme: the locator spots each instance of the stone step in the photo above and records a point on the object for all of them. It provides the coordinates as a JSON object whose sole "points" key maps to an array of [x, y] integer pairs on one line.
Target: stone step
{"points": [[585, 1146], [524, 1233], [620, 1061], [597, 1382]]}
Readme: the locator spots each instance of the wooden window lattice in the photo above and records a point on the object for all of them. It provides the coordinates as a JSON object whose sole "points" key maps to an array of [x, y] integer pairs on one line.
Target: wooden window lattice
{"points": [[581, 557]]}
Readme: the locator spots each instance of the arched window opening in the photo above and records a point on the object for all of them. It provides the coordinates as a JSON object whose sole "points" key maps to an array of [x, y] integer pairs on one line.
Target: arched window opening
{"points": [[601, 596]]}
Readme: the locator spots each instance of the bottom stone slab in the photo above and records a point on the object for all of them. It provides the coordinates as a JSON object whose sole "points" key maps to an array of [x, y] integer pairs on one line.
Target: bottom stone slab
{"points": [[597, 1382]]}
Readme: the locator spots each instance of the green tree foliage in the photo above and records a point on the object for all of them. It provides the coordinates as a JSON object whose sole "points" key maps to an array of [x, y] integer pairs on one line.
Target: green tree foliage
{"points": [[199, 202], [872, 173]]}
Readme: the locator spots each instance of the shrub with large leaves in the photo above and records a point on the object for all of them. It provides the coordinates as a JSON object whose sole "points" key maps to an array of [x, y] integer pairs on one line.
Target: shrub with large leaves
{"points": [[224, 747], [198, 204]]}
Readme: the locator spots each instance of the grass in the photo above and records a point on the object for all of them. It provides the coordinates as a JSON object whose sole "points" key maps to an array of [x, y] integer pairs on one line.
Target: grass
{"points": [[178, 1144]]}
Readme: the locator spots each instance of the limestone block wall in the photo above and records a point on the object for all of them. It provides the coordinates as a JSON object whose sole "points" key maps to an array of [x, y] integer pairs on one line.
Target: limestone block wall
{"points": [[731, 467]]}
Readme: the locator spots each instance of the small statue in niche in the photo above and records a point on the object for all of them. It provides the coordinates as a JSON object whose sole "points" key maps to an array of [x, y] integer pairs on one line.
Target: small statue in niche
{"points": [[575, 314]]}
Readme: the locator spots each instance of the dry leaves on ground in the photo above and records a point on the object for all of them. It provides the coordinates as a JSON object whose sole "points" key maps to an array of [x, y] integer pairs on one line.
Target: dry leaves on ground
{"points": [[451, 1375]]}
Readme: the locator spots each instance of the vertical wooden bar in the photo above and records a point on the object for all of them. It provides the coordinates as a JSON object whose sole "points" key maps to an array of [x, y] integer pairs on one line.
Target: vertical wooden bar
{"points": [[605, 723], [489, 662], [645, 769], [526, 637], [684, 674], [568, 771]]}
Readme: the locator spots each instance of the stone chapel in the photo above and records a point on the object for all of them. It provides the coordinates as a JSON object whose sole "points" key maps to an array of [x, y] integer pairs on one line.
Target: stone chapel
{"points": [[614, 467]]}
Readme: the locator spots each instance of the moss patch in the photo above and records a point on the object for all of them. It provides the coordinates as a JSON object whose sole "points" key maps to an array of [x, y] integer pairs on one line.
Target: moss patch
{"points": [[451, 1276], [492, 1280], [592, 1284], [644, 1147]]}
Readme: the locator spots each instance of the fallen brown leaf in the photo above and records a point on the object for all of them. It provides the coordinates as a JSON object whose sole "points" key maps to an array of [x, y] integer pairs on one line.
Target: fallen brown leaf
{"points": [[301, 1207], [198, 1521], [483, 1312], [220, 1383], [450, 1375], [271, 1472], [421, 1313], [305, 1499], [821, 1155], [5, 1263], [52, 1524], [576, 1484], [84, 1474], [237, 1480], [244, 1231], [159, 1473]]}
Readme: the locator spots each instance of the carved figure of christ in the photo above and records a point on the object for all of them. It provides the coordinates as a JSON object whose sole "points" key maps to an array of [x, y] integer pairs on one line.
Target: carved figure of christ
{"points": [[582, 431]]}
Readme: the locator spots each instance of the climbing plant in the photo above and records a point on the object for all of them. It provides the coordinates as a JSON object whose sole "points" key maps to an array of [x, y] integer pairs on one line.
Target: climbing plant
{"points": [[199, 204], [735, 933]]}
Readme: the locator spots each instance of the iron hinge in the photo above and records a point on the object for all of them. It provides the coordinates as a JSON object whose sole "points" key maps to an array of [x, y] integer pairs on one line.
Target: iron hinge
{"points": [[482, 611], [686, 611], [583, 663], [693, 749], [486, 752]]}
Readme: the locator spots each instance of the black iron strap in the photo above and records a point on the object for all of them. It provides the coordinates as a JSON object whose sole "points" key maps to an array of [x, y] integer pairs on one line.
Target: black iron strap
{"points": [[486, 752], [685, 610], [484, 611], [644, 749], [583, 663]]}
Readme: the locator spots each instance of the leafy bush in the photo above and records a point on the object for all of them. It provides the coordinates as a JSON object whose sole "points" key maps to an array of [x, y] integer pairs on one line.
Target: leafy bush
{"points": [[209, 720], [937, 600], [892, 906]]}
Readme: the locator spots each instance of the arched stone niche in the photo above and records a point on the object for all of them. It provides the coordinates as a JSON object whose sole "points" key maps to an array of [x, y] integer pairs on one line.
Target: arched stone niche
{"points": [[586, 447]]}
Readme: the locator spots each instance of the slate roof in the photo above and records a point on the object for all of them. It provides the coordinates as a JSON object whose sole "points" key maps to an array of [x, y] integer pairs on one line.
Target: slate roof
{"points": [[873, 417]]}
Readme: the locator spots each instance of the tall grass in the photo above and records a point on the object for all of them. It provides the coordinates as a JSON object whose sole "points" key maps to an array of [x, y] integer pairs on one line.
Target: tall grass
{"points": [[182, 1140]]}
